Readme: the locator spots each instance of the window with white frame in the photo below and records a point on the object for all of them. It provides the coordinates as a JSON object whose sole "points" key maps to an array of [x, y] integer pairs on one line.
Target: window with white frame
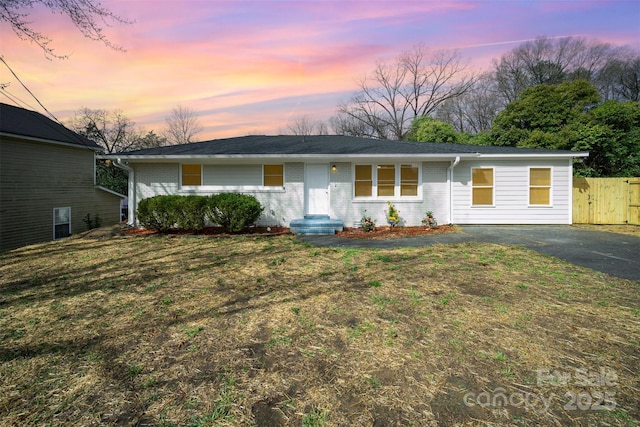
{"points": [[191, 174], [61, 222], [540, 186], [252, 175], [273, 175], [386, 180], [482, 186], [363, 185]]}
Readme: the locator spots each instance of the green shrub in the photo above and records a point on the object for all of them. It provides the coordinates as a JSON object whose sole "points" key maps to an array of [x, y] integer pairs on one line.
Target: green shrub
{"points": [[233, 211], [190, 211], [159, 213]]}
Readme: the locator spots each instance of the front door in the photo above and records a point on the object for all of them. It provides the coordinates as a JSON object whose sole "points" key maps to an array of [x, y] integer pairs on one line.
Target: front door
{"points": [[316, 185]]}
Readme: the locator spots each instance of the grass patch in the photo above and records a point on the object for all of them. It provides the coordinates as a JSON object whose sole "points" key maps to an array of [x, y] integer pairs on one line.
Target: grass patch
{"points": [[174, 331]]}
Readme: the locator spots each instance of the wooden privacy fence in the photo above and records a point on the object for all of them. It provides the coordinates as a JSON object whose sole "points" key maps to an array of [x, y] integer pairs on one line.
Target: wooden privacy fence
{"points": [[606, 200]]}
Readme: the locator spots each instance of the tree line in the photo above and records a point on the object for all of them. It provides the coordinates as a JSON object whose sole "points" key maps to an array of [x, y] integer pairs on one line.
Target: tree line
{"points": [[556, 93], [553, 93]]}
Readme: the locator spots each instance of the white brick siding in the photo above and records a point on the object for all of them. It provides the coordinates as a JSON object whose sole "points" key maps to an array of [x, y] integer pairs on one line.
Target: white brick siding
{"points": [[282, 205]]}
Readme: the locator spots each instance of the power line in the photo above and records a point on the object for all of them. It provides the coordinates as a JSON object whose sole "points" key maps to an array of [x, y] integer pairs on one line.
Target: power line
{"points": [[27, 89], [14, 98]]}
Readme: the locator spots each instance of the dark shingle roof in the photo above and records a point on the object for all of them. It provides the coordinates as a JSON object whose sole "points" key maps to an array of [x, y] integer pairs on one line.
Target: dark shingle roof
{"points": [[27, 123], [325, 145]]}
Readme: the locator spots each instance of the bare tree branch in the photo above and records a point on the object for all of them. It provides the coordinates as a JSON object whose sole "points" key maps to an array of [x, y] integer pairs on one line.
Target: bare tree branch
{"points": [[182, 126], [84, 14], [305, 125], [397, 92], [112, 130]]}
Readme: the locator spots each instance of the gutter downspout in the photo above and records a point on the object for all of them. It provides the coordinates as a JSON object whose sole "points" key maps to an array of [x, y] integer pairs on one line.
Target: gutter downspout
{"points": [[454, 163], [132, 220]]}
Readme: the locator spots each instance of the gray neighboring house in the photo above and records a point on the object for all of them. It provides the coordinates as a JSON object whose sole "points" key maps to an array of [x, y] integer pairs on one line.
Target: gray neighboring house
{"points": [[332, 180], [47, 180]]}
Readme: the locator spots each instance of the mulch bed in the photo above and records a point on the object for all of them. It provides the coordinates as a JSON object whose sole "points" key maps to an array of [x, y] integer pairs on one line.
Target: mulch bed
{"points": [[208, 231], [351, 233], [395, 232]]}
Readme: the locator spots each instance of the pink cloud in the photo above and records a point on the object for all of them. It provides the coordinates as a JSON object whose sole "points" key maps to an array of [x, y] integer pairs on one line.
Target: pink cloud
{"points": [[249, 66]]}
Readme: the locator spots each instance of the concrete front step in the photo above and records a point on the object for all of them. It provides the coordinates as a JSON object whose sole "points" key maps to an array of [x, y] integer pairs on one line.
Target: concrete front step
{"points": [[315, 224]]}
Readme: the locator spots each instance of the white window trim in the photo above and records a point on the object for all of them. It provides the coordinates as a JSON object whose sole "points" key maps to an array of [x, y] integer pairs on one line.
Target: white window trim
{"points": [[54, 221], [283, 177], [397, 184], [550, 205], [493, 187], [191, 189], [201, 175]]}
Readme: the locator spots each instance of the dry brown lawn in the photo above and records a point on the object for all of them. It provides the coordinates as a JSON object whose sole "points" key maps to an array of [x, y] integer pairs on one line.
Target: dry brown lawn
{"points": [[628, 229], [268, 331]]}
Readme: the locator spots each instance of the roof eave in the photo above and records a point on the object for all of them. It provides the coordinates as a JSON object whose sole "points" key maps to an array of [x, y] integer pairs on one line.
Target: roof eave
{"points": [[336, 157], [50, 141], [536, 155], [333, 157]]}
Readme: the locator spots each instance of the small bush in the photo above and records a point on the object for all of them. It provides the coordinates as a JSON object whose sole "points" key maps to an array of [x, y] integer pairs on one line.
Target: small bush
{"points": [[190, 212], [158, 213], [233, 211]]}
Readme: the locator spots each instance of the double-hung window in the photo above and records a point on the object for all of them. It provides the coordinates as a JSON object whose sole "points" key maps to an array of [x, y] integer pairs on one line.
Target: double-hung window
{"points": [[273, 175], [540, 186], [408, 180], [386, 180], [482, 187], [191, 175], [363, 185], [61, 222]]}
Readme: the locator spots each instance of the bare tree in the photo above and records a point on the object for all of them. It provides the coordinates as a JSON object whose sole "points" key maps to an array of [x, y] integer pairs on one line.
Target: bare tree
{"points": [[116, 133], [182, 126], [344, 124], [412, 85], [86, 15], [620, 79], [473, 111], [112, 130], [305, 125], [551, 61]]}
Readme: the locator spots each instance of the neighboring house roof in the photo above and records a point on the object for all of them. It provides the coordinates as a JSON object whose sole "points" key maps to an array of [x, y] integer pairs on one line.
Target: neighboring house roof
{"points": [[329, 145], [16, 121]]}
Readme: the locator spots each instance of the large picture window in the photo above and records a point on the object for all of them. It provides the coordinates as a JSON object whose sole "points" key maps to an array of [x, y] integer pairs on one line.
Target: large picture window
{"points": [[540, 186], [386, 180], [482, 186]]}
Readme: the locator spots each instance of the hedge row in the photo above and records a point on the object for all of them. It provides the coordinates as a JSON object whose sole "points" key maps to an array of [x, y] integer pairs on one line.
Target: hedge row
{"points": [[232, 211]]}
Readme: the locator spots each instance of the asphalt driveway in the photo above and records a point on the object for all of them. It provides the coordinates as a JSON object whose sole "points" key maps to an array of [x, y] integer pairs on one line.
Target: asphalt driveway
{"points": [[614, 254]]}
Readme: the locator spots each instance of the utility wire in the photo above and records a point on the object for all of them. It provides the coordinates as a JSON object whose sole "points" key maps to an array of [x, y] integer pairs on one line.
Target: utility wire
{"points": [[15, 99], [27, 89]]}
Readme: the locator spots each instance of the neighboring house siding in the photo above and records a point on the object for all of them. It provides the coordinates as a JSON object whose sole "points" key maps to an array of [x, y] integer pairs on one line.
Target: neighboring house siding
{"points": [[511, 193], [37, 177]]}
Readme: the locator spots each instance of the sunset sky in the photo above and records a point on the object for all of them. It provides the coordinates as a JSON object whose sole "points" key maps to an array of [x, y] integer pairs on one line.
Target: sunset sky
{"points": [[250, 66]]}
